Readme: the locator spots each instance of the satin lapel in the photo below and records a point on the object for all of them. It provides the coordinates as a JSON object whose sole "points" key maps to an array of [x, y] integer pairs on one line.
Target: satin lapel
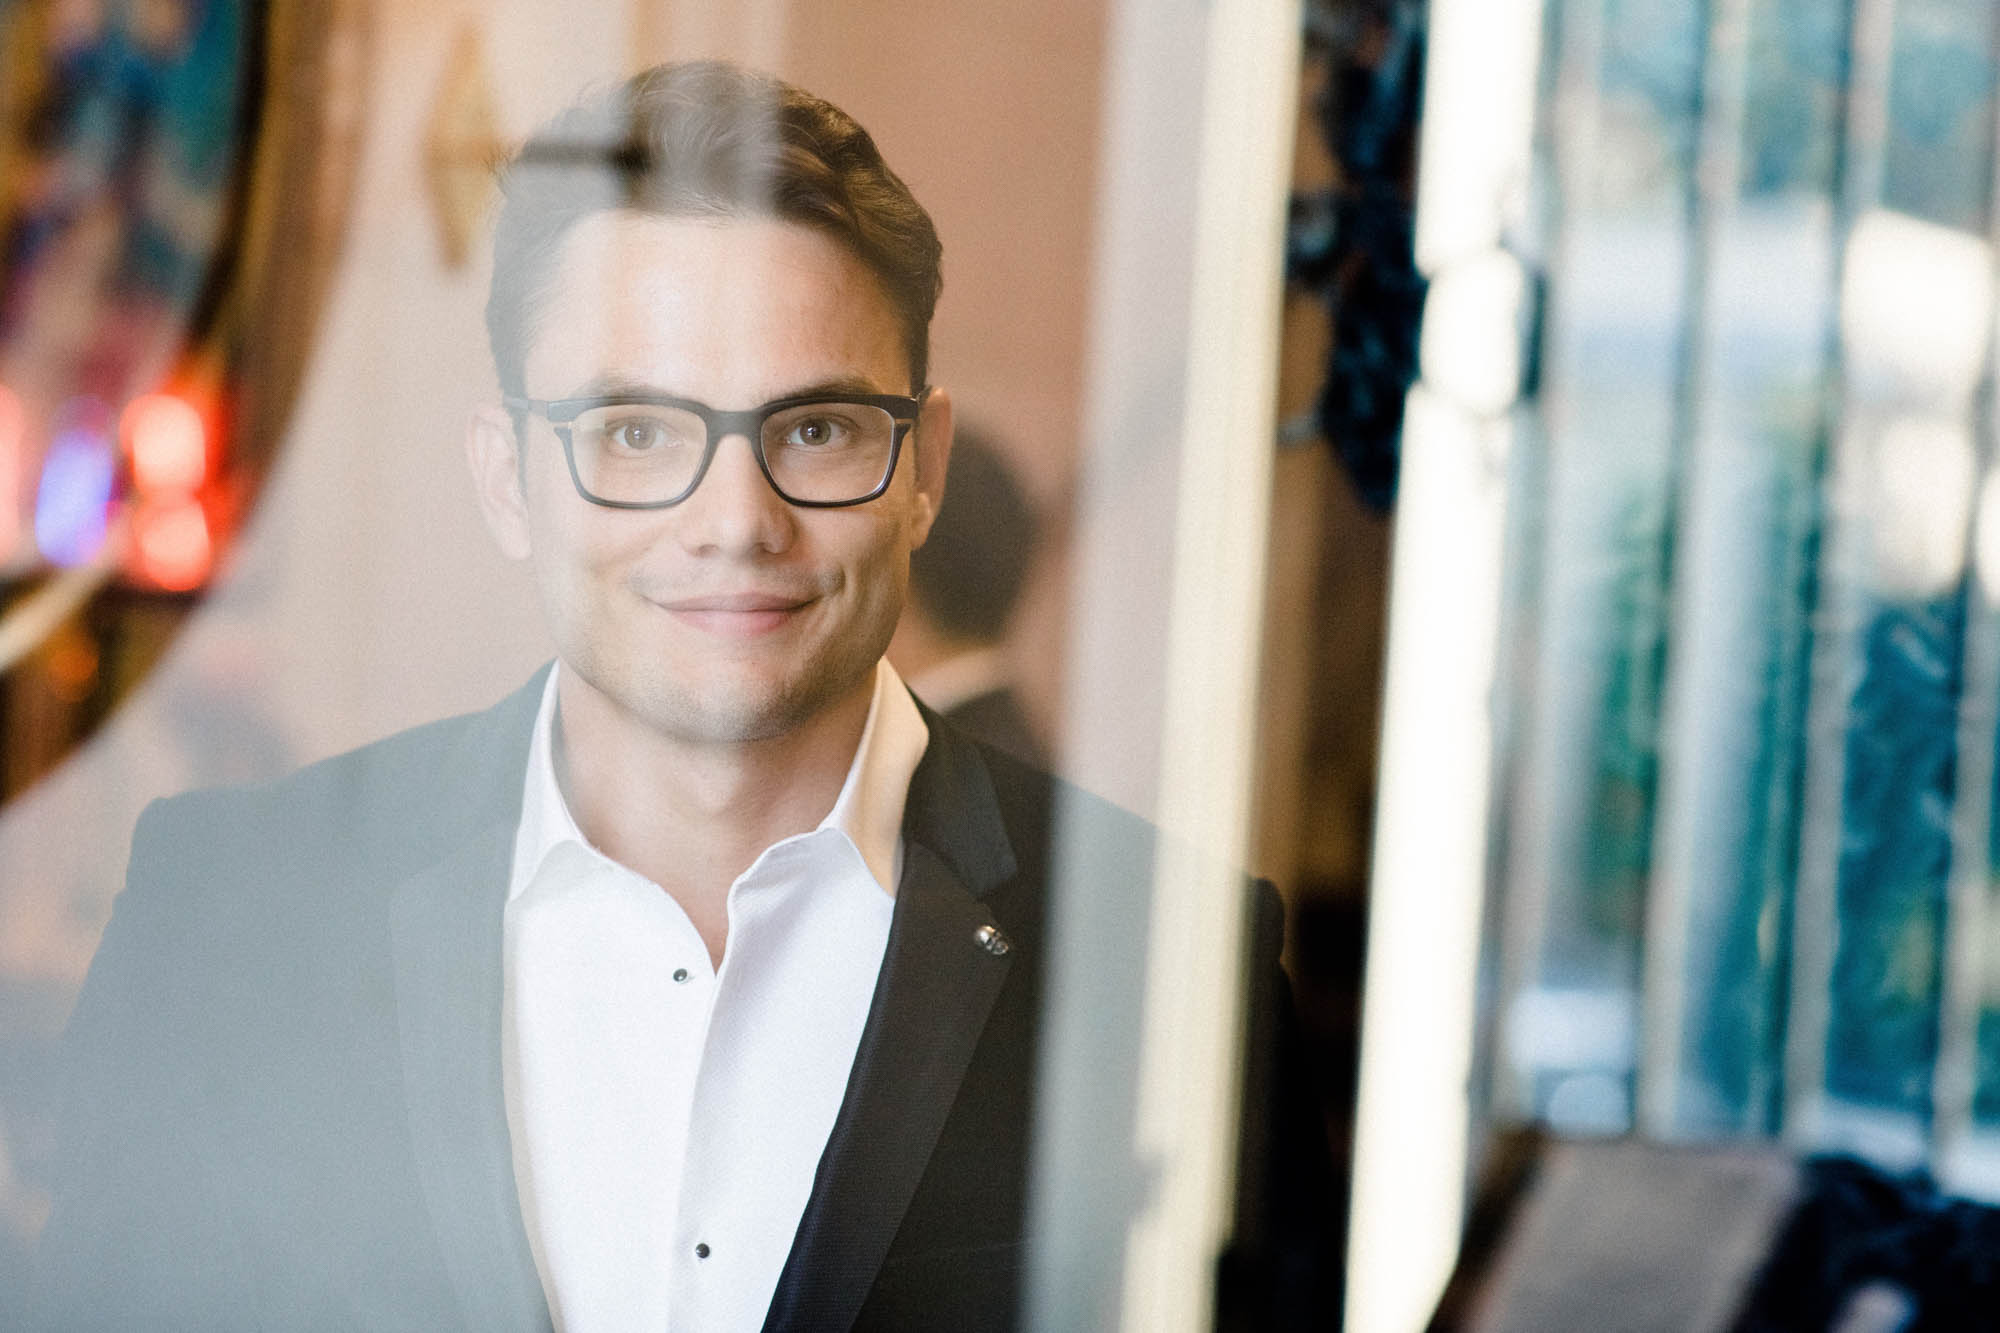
{"points": [[446, 925], [937, 986]]}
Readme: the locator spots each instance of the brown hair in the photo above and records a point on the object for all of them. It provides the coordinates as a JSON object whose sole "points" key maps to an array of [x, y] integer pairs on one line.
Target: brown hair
{"points": [[706, 139]]}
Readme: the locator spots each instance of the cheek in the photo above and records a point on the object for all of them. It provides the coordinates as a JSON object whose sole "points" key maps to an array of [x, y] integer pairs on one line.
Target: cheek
{"points": [[578, 561], [884, 564], [571, 533]]}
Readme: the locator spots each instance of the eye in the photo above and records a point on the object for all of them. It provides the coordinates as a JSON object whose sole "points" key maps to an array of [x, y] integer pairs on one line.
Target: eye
{"points": [[819, 432], [635, 434]]}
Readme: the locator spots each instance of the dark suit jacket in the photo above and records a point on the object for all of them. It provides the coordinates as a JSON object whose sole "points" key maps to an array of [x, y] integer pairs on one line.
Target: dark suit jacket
{"points": [[997, 719], [285, 1103]]}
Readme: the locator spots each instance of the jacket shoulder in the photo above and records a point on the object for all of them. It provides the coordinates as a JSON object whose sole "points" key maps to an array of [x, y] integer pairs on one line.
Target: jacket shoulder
{"points": [[1049, 816], [390, 800]]}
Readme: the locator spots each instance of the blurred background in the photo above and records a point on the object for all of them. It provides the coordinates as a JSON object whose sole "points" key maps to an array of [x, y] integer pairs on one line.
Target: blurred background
{"points": [[1688, 786], [1634, 811]]}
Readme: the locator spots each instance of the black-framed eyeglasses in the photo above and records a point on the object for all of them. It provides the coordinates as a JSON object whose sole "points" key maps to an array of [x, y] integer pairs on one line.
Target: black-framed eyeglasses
{"points": [[647, 451]]}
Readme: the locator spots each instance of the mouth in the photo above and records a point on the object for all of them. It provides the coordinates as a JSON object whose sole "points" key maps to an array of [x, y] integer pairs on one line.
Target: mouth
{"points": [[738, 614]]}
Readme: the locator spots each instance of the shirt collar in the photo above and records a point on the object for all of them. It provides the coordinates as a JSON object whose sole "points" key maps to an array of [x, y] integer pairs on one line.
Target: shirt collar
{"points": [[868, 811]]}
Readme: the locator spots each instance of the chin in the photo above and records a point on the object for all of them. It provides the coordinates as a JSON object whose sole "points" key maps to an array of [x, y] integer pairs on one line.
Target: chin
{"points": [[735, 715]]}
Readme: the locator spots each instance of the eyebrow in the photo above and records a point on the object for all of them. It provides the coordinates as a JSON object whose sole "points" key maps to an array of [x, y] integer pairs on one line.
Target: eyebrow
{"points": [[620, 386]]}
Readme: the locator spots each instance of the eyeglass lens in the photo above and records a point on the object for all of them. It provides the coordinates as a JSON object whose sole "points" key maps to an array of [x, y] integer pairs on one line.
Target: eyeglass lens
{"points": [[645, 454]]}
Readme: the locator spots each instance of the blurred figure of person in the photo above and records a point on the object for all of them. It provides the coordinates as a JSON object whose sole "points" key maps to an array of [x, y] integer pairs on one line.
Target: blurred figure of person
{"points": [[964, 585]]}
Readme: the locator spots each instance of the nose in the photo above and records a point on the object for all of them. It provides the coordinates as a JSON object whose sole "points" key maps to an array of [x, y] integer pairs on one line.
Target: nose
{"points": [[734, 511]]}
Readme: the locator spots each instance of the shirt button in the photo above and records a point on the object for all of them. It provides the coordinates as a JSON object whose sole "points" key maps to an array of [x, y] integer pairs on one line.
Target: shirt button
{"points": [[701, 1250], [680, 974]]}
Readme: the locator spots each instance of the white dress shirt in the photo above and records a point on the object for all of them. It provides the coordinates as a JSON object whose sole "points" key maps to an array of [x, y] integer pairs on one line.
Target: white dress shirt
{"points": [[668, 1116]]}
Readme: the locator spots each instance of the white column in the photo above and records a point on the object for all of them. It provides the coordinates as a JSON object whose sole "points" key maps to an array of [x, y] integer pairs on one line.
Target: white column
{"points": [[1429, 874]]}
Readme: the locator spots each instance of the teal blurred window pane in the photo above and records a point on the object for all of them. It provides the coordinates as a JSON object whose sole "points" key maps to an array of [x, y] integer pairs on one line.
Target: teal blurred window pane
{"points": [[1939, 159], [1679, 576], [1895, 855]]}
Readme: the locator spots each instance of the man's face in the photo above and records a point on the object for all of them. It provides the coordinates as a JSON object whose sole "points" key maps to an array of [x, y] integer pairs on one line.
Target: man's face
{"points": [[732, 616]]}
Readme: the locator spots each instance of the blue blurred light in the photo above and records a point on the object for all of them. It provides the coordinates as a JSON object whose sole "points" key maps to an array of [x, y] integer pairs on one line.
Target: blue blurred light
{"points": [[73, 501]]}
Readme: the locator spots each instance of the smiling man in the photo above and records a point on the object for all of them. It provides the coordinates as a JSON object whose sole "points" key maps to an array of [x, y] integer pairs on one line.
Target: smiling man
{"points": [[693, 987]]}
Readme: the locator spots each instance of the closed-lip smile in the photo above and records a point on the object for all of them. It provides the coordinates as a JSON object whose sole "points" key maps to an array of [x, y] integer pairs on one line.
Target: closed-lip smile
{"points": [[736, 613], [738, 601]]}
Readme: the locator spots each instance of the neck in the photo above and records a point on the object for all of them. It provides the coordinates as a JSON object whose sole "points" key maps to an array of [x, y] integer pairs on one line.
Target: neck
{"points": [[692, 815]]}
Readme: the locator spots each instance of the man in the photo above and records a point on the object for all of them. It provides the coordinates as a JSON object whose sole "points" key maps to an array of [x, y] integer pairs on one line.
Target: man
{"points": [[696, 985], [964, 585]]}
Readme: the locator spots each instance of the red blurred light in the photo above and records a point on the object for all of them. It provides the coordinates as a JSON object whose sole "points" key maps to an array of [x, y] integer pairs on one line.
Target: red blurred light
{"points": [[168, 444], [172, 544]]}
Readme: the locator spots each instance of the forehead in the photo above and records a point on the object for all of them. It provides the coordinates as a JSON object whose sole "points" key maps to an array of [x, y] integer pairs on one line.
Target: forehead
{"points": [[732, 311]]}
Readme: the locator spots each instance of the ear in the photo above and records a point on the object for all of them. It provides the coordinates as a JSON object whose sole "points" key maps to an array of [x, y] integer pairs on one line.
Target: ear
{"points": [[930, 443], [494, 457]]}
